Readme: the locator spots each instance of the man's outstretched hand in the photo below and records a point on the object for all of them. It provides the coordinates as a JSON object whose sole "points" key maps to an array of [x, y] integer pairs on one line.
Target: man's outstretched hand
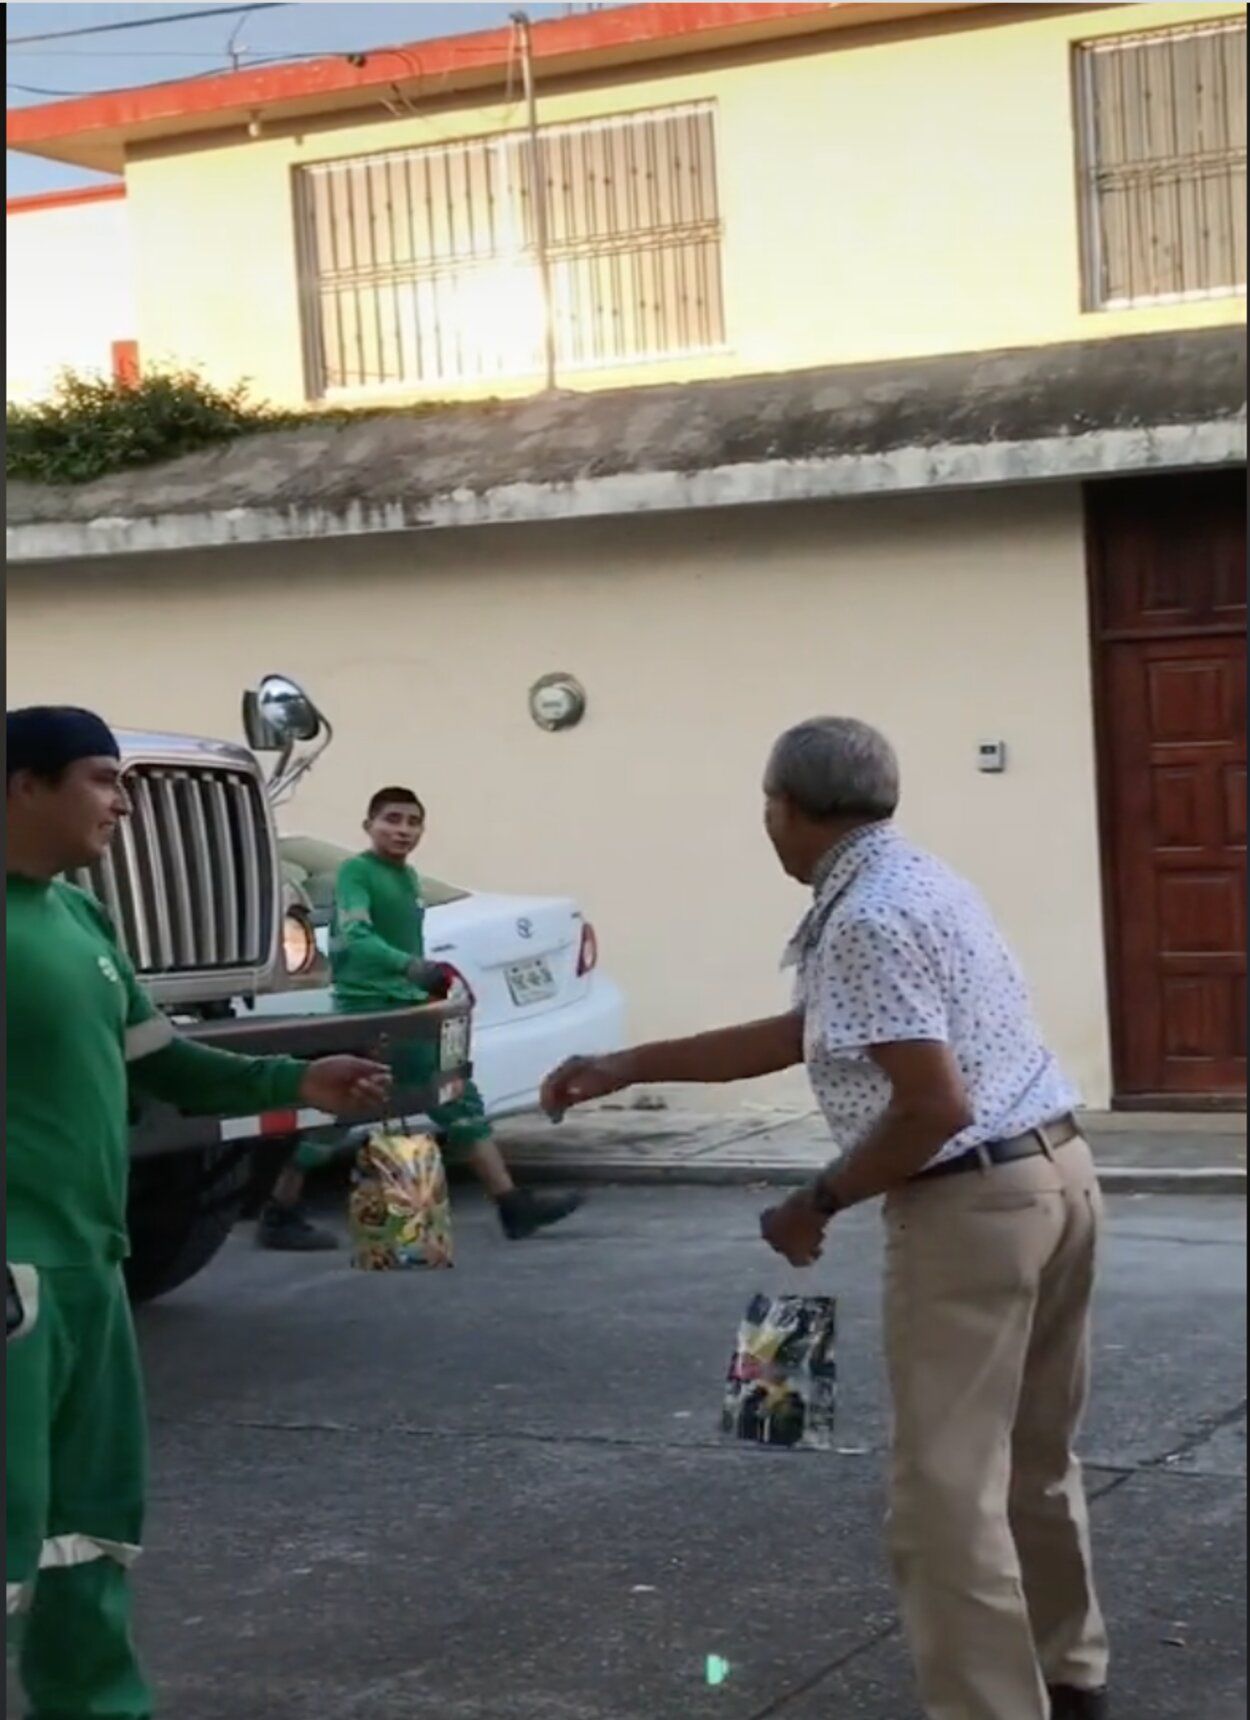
{"points": [[581, 1079], [795, 1229], [341, 1085]]}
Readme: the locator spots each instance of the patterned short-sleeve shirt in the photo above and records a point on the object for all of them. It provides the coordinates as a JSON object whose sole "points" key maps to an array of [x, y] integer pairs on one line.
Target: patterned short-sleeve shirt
{"points": [[898, 947]]}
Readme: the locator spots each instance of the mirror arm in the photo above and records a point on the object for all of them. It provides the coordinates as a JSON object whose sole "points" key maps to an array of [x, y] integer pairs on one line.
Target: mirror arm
{"points": [[287, 776]]}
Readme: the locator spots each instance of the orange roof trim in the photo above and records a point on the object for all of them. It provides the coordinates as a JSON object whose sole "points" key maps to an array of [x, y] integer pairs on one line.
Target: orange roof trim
{"points": [[37, 200], [96, 130]]}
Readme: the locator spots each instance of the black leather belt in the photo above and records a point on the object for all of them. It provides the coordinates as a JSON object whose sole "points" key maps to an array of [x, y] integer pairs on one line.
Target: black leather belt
{"points": [[1033, 1142]]}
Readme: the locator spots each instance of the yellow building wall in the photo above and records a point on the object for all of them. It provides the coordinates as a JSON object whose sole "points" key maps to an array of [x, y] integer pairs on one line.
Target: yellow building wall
{"points": [[946, 620], [901, 192]]}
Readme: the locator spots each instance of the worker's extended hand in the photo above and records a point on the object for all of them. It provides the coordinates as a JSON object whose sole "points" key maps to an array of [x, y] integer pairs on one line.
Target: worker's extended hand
{"points": [[795, 1229], [433, 977], [580, 1079], [341, 1085]]}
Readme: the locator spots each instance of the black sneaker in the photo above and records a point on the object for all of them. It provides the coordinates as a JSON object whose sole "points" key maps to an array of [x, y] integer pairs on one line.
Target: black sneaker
{"points": [[1068, 1703], [289, 1229], [523, 1213]]}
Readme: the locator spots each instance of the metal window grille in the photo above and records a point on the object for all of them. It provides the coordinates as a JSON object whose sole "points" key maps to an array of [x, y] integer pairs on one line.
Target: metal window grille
{"points": [[1162, 120], [420, 267]]}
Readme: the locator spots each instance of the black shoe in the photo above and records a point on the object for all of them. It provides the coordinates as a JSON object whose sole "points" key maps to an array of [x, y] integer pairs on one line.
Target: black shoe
{"points": [[523, 1213], [1067, 1703], [288, 1228]]}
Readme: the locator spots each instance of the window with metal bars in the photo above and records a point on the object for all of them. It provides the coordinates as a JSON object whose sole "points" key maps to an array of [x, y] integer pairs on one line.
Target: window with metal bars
{"points": [[1162, 135], [421, 267]]}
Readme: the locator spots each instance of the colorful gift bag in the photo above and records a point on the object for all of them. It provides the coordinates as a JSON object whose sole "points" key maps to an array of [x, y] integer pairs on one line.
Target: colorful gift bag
{"points": [[399, 1213], [782, 1386]]}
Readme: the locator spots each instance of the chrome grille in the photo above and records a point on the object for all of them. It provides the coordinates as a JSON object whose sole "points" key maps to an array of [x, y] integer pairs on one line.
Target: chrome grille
{"points": [[189, 883]]}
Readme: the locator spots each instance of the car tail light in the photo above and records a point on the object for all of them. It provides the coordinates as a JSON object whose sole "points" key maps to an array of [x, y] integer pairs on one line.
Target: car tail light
{"points": [[455, 979], [588, 955]]}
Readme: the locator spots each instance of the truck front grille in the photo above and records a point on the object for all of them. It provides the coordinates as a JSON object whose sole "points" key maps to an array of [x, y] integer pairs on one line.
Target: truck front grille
{"points": [[189, 882]]}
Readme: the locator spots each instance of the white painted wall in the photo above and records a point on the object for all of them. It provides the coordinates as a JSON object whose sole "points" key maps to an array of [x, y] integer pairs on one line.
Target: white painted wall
{"points": [[69, 292], [945, 619]]}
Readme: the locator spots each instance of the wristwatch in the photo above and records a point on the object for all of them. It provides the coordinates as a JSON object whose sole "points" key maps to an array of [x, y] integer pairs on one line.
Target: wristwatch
{"points": [[826, 1202]]}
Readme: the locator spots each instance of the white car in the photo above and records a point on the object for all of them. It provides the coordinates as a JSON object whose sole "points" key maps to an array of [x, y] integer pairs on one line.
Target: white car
{"points": [[531, 964]]}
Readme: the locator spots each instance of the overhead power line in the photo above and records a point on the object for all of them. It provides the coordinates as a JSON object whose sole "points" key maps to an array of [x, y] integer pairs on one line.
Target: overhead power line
{"points": [[256, 60], [39, 90], [141, 23], [191, 77]]}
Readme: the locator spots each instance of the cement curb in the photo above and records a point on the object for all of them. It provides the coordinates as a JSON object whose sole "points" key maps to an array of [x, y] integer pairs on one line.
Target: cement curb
{"points": [[707, 1173], [1200, 1179]]}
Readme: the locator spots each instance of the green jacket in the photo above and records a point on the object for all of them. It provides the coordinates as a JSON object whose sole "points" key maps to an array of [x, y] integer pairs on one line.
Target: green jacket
{"points": [[377, 932], [80, 1032]]}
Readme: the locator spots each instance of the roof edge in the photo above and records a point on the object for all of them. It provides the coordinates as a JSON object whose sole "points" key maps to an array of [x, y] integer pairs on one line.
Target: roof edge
{"points": [[34, 201], [91, 130], [907, 470]]}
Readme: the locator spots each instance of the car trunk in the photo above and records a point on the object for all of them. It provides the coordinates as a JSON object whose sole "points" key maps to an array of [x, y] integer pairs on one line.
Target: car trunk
{"points": [[520, 955]]}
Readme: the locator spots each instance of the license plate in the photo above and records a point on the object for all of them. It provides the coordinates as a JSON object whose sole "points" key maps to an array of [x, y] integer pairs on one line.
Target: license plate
{"points": [[453, 1044], [530, 982]]}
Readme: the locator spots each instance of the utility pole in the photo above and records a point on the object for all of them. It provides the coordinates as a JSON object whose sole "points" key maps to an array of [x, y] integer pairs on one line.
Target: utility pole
{"points": [[538, 196], [236, 56]]}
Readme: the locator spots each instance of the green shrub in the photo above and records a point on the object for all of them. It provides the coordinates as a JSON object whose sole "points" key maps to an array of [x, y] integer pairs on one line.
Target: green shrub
{"points": [[90, 426]]}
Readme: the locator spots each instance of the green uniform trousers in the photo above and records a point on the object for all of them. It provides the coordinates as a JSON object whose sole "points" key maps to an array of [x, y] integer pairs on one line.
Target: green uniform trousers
{"points": [[461, 1124], [75, 1472]]}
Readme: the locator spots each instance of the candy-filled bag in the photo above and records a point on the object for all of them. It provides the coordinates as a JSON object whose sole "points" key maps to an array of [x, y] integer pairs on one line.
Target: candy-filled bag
{"points": [[399, 1213], [782, 1386]]}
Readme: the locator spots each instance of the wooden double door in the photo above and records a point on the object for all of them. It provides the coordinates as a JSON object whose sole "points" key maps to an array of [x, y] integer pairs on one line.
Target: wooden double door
{"points": [[1168, 577]]}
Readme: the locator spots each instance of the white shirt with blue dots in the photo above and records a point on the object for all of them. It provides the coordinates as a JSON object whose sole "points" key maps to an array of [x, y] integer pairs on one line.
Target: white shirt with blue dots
{"points": [[898, 947]]}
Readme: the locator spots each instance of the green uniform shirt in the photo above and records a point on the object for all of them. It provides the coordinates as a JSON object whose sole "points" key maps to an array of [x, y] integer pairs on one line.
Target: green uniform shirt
{"points": [[378, 929], [78, 1024]]}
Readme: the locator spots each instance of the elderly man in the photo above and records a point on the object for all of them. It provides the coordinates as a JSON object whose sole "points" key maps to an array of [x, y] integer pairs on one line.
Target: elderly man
{"points": [[915, 1026]]}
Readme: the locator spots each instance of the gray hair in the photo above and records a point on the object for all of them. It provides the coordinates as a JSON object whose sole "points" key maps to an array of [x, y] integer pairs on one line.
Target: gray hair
{"points": [[835, 767]]}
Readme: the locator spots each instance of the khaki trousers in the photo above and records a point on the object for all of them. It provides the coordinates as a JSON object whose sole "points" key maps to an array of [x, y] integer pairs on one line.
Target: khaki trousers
{"points": [[989, 1279]]}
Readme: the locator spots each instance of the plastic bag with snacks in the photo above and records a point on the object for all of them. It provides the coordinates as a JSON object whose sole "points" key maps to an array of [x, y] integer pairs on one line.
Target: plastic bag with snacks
{"points": [[782, 1386], [399, 1213]]}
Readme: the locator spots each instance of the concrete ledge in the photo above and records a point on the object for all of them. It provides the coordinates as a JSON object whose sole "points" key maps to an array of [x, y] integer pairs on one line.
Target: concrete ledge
{"points": [[1081, 409]]}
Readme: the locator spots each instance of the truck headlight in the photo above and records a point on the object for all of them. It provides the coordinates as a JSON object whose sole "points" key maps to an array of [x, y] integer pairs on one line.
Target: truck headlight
{"points": [[299, 942]]}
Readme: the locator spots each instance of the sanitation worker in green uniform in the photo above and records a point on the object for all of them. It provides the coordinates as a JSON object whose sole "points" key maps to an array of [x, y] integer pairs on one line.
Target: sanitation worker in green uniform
{"points": [[377, 957], [80, 1031]]}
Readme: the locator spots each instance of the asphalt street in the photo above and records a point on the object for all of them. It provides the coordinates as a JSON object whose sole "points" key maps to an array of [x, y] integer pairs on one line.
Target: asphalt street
{"points": [[500, 1492]]}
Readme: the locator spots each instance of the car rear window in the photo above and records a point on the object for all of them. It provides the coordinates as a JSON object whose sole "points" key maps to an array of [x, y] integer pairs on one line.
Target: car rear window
{"points": [[313, 864]]}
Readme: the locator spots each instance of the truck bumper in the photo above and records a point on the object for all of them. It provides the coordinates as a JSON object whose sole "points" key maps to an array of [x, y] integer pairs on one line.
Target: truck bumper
{"points": [[158, 1129]]}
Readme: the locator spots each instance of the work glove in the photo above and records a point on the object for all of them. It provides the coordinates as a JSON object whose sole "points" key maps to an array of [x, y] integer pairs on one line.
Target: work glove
{"points": [[432, 977]]}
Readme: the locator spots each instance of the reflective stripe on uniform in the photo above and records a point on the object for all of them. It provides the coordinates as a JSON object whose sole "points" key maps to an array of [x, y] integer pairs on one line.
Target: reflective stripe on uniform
{"points": [[26, 1283], [60, 1552], [149, 1036], [64, 1553]]}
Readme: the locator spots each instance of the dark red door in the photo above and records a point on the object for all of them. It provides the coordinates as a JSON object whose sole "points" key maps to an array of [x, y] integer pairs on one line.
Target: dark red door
{"points": [[1168, 569]]}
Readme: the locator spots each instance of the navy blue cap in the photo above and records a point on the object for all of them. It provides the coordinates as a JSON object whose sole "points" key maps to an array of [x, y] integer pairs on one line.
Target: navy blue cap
{"points": [[47, 738]]}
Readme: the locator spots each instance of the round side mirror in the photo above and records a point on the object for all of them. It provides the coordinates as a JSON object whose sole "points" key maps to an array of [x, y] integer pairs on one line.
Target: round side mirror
{"points": [[286, 709]]}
